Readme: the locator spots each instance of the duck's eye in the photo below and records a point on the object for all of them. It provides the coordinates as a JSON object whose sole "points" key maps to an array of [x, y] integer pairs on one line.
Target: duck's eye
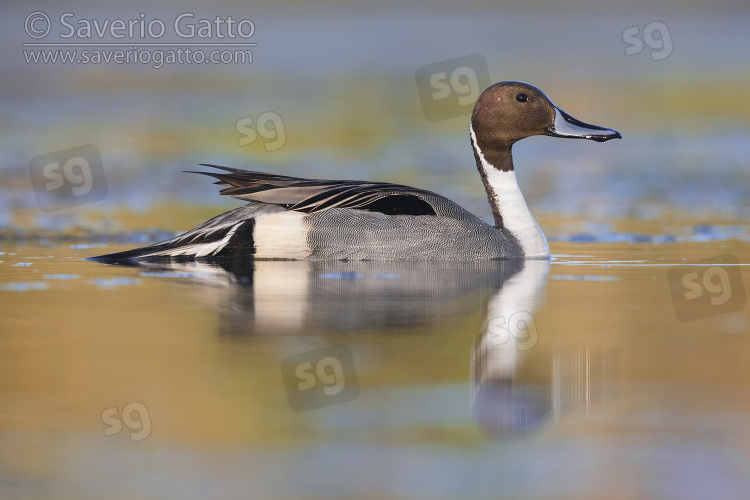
{"points": [[522, 98]]}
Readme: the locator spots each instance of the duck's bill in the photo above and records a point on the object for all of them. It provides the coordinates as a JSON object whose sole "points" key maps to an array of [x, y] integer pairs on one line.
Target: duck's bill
{"points": [[567, 126]]}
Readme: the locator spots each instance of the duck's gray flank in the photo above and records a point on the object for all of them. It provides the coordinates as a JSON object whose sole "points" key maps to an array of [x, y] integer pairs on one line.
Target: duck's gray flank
{"points": [[296, 218]]}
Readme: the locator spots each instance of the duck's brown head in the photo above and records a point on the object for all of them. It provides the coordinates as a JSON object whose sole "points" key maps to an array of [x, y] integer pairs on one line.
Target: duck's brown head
{"points": [[509, 111]]}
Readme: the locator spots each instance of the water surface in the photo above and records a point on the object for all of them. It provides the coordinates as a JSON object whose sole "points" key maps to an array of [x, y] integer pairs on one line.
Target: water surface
{"points": [[530, 380]]}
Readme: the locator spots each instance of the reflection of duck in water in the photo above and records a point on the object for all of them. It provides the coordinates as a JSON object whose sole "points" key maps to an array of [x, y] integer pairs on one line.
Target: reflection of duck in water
{"points": [[309, 297], [330, 298], [510, 333], [516, 387], [295, 218]]}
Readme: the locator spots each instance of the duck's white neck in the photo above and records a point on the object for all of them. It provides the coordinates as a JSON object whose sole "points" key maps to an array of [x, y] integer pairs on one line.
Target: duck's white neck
{"points": [[509, 206]]}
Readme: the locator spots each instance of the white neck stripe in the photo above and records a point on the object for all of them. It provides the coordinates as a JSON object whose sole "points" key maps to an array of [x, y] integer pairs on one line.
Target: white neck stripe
{"points": [[516, 215]]}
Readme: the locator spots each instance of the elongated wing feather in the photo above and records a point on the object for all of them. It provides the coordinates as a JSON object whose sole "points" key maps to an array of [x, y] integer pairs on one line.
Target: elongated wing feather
{"points": [[311, 195]]}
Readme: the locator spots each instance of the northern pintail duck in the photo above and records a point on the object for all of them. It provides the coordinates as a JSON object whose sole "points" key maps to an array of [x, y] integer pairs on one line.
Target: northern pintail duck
{"points": [[296, 218]]}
